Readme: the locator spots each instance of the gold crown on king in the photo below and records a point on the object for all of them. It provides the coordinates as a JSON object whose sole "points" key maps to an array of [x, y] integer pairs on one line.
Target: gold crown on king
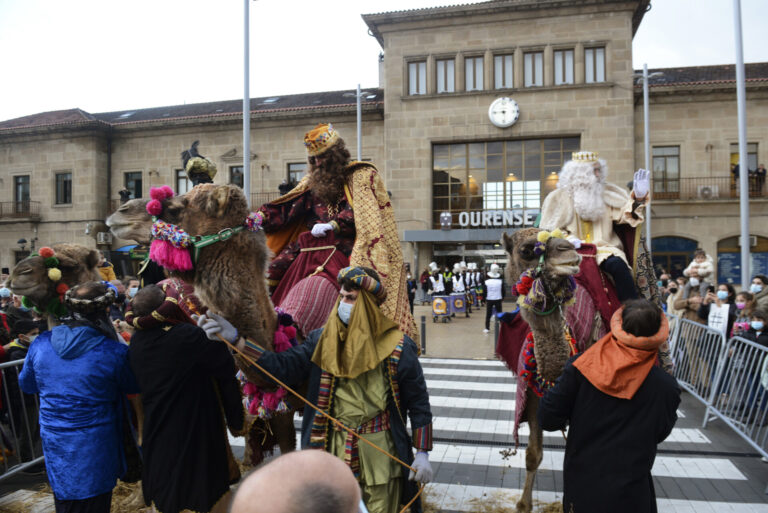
{"points": [[584, 156]]}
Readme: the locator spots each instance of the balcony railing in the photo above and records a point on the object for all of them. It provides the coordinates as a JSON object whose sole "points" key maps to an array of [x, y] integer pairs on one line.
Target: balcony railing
{"points": [[19, 209], [259, 198], [706, 188]]}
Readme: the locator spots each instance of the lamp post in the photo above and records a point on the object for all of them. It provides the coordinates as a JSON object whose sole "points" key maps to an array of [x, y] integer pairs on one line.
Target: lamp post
{"points": [[741, 106], [22, 243], [358, 95], [647, 149], [246, 105]]}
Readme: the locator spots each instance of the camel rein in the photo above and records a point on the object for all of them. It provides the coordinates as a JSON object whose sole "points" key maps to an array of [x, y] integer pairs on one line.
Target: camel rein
{"points": [[336, 422]]}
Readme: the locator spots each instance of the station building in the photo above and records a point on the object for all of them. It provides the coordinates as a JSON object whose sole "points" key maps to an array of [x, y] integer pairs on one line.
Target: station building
{"points": [[478, 107]]}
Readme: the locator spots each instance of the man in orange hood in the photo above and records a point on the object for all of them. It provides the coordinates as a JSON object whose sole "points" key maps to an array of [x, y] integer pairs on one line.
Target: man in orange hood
{"points": [[618, 405]]}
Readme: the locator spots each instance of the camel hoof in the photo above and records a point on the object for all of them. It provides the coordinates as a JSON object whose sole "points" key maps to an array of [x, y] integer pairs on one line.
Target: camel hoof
{"points": [[523, 507]]}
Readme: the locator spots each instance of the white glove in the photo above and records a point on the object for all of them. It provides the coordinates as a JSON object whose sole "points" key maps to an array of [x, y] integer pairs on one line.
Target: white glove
{"points": [[574, 240], [320, 228], [641, 184], [214, 324], [423, 469]]}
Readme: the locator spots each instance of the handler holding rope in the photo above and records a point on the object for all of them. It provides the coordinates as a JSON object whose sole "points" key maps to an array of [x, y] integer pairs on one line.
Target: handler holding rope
{"points": [[363, 371]]}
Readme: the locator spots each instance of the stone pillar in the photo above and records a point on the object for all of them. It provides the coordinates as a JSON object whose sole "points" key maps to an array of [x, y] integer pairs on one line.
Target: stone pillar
{"points": [[549, 67], [431, 81], [461, 78], [488, 71], [578, 64], [517, 72]]}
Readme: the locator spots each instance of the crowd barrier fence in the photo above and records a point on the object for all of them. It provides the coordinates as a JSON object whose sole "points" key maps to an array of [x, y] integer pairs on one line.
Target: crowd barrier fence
{"points": [[20, 446]]}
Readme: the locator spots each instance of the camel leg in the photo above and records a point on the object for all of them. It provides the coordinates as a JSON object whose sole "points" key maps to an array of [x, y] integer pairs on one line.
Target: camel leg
{"points": [[533, 453], [282, 426]]}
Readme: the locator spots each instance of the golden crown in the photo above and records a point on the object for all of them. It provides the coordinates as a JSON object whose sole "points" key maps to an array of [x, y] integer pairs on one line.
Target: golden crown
{"points": [[584, 156], [320, 138]]}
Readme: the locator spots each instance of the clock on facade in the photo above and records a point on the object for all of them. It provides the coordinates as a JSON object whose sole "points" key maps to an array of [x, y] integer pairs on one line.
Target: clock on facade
{"points": [[503, 112]]}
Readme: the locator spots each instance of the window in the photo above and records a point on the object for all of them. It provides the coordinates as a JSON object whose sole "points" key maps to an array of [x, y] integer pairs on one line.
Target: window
{"points": [[534, 69], [417, 78], [751, 155], [473, 70], [495, 175], [296, 171], [63, 188], [666, 172], [563, 67], [672, 254], [502, 71], [236, 176], [594, 64], [21, 193], [183, 185], [133, 183], [446, 76]]}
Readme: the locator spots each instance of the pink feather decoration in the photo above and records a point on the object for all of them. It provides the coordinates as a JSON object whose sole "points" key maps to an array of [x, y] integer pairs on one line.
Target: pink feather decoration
{"points": [[154, 207], [167, 190], [281, 341], [164, 254], [157, 193], [289, 331]]}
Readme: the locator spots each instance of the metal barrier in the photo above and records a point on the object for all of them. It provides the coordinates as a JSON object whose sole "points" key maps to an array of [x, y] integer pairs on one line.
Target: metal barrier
{"points": [[20, 446], [739, 395], [696, 350]]}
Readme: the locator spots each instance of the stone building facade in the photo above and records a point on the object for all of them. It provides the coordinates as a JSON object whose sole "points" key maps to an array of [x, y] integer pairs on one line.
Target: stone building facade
{"points": [[564, 65]]}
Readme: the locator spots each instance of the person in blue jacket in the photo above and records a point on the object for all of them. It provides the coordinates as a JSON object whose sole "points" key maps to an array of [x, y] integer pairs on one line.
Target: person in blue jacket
{"points": [[362, 370], [81, 372]]}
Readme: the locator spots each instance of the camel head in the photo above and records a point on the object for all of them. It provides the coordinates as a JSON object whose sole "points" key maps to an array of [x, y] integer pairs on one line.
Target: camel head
{"points": [[29, 278], [131, 221], [560, 259], [206, 209]]}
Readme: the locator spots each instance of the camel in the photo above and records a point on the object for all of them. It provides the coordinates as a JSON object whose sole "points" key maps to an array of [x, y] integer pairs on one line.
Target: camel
{"points": [[131, 221], [552, 348], [30, 277], [230, 278]]}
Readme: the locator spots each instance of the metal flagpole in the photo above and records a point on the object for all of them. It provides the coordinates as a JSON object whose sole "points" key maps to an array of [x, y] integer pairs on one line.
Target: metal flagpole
{"points": [[646, 136], [741, 102], [246, 106], [359, 126]]}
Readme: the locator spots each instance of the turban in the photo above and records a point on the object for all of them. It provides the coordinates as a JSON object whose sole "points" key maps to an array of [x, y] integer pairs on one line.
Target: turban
{"points": [[359, 277]]}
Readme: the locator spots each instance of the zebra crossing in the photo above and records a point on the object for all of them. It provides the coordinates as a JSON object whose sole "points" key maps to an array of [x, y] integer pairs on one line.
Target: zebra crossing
{"points": [[473, 404]]}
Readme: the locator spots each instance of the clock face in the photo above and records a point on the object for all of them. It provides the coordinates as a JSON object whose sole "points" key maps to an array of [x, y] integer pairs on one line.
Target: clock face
{"points": [[503, 112]]}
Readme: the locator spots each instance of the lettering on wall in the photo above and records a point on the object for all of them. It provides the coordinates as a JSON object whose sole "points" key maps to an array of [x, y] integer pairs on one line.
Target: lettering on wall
{"points": [[498, 218]]}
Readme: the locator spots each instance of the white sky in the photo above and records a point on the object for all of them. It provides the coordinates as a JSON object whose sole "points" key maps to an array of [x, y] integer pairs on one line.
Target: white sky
{"points": [[104, 55]]}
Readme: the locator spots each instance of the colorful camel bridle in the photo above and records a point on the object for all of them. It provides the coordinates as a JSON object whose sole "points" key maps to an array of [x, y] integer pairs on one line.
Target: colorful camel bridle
{"points": [[175, 249], [56, 305], [531, 289]]}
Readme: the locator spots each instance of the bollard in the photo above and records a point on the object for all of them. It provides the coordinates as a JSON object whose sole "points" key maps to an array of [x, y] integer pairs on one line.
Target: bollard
{"points": [[423, 334], [495, 331]]}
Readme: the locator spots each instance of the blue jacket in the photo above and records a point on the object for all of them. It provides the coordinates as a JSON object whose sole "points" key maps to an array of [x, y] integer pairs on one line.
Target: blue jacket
{"points": [[82, 378]]}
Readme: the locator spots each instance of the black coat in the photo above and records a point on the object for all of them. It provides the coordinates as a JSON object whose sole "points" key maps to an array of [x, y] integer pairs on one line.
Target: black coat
{"points": [[294, 366], [612, 442]]}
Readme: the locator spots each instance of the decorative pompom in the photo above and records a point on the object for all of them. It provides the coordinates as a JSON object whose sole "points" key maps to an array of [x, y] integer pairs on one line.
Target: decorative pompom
{"points": [[167, 191], [26, 302], [157, 193], [271, 400], [281, 342], [165, 255], [54, 274], [154, 207], [543, 236], [253, 221], [45, 252], [62, 289], [51, 261], [290, 331], [558, 234]]}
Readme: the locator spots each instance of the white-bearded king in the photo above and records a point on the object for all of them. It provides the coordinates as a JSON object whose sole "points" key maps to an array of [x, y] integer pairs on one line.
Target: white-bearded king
{"points": [[587, 207]]}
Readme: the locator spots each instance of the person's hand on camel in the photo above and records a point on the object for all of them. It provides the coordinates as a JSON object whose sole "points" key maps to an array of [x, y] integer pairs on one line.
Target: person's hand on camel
{"points": [[215, 325], [320, 229], [641, 184]]}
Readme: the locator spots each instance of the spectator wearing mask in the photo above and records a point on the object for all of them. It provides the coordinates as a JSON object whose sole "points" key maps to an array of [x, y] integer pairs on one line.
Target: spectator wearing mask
{"points": [[23, 407], [410, 283], [718, 309], [131, 286], [618, 407], [494, 294], [757, 396], [675, 289], [759, 288], [663, 283], [745, 305], [117, 310], [82, 375], [699, 273]]}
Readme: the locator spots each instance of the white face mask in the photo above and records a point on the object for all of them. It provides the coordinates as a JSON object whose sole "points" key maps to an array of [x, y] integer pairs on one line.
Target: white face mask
{"points": [[132, 291], [694, 282], [755, 288], [345, 311]]}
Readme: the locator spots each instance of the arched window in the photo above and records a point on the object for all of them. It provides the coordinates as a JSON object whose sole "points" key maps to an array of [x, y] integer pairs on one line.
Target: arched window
{"points": [[729, 258], [672, 254]]}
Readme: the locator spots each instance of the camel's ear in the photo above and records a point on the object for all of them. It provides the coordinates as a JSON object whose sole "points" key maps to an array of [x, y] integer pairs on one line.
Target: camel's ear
{"points": [[506, 242], [92, 259], [217, 201]]}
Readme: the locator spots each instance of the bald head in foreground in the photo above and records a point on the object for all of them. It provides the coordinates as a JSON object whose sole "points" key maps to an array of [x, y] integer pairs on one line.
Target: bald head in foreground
{"points": [[299, 482]]}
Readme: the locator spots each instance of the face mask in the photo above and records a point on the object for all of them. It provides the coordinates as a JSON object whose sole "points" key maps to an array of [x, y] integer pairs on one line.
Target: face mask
{"points": [[345, 311], [132, 291], [694, 282], [722, 295], [31, 339], [741, 306], [757, 325], [755, 288], [659, 283], [673, 290]]}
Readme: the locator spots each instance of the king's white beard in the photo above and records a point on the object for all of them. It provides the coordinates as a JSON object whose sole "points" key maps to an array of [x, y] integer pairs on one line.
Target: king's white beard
{"points": [[588, 200]]}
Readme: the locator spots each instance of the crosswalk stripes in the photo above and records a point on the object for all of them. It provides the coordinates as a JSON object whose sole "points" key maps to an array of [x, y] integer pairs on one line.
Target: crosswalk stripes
{"points": [[473, 403]]}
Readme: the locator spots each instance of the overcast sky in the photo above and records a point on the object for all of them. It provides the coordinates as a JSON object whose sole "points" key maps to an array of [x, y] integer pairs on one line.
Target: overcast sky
{"points": [[104, 55]]}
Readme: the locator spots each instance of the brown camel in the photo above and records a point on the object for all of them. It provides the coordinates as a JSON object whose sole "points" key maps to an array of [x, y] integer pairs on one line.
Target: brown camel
{"points": [[551, 348], [230, 278], [131, 221], [29, 278]]}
